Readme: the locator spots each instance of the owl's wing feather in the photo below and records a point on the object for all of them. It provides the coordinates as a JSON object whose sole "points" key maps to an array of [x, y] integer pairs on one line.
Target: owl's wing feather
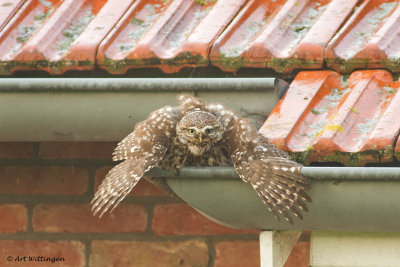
{"points": [[141, 150], [189, 103], [117, 184], [122, 151], [275, 178]]}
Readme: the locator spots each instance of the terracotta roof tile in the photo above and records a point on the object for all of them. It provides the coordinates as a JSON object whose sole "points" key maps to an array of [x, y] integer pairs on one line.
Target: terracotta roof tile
{"points": [[369, 39], [281, 35], [55, 36], [323, 118], [166, 34], [397, 150], [7, 10]]}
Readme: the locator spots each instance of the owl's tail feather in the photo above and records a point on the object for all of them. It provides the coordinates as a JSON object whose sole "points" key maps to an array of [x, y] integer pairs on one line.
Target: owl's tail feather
{"points": [[116, 186]]}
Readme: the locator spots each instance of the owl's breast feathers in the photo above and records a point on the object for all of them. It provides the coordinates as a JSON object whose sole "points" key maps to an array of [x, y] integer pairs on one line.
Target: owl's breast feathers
{"points": [[179, 155]]}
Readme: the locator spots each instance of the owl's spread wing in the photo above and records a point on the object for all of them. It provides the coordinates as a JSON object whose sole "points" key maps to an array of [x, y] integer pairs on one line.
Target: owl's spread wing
{"points": [[141, 150], [275, 178], [189, 103]]}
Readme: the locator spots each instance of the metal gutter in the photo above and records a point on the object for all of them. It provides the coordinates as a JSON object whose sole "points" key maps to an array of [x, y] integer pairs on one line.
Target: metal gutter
{"points": [[106, 109], [136, 84], [343, 198], [352, 173], [314, 173]]}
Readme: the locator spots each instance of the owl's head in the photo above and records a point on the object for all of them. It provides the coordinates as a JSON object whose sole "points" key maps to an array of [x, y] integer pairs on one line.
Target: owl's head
{"points": [[199, 130]]}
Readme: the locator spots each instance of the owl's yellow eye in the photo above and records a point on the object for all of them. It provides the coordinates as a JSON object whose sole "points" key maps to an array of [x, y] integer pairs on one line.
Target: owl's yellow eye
{"points": [[209, 131], [191, 131]]}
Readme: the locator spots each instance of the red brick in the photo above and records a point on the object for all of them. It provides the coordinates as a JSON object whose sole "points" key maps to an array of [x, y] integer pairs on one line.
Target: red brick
{"points": [[146, 188], [52, 180], [237, 253], [77, 218], [77, 150], [181, 219], [13, 218], [300, 255], [143, 187], [68, 253], [14, 150], [133, 253]]}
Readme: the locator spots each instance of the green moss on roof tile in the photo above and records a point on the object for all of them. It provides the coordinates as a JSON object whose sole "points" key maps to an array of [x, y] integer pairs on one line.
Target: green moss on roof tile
{"points": [[309, 156], [7, 67], [25, 31], [233, 63], [349, 65], [286, 64], [74, 31], [205, 2], [230, 62], [182, 59]]}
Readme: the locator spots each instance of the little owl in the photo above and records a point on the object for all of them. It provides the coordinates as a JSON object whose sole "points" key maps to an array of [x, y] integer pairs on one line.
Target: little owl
{"points": [[199, 134]]}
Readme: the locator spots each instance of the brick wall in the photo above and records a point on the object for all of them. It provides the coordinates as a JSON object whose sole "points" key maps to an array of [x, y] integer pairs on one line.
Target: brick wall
{"points": [[45, 191]]}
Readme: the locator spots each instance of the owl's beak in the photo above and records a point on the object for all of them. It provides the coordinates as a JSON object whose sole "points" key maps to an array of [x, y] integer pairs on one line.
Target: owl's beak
{"points": [[200, 137]]}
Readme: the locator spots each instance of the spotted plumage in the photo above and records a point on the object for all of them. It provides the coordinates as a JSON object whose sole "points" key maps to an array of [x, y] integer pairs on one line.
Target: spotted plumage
{"points": [[199, 134]]}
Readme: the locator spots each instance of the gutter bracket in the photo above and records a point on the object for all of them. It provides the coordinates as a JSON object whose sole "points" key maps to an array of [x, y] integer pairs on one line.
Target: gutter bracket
{"points": [[275, 247]]}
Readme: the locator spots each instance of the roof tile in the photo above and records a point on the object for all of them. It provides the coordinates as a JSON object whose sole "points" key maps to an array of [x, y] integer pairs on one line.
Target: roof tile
{"points": [[369, 39], [166, 34], [282, 35], [397, 150], [53, 35], [7, 10], [56, 36], [323, 118]]}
